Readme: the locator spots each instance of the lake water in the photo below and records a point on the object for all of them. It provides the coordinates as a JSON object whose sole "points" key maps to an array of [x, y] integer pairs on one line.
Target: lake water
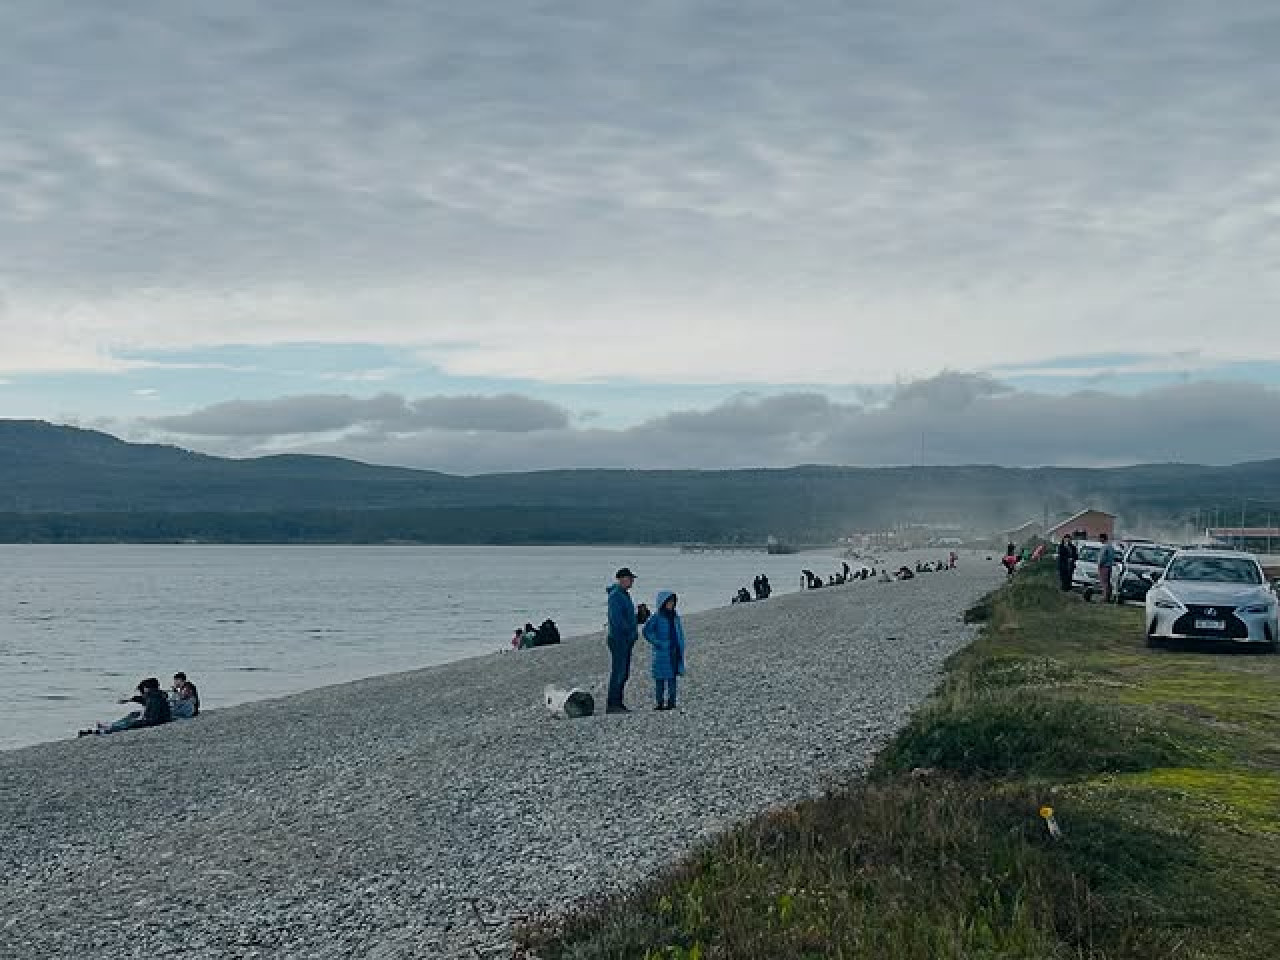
{"points": [[80, 625]]}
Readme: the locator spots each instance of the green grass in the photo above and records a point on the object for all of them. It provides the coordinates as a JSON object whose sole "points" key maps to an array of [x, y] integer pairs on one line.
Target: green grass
{"points": [[1162, 769]]}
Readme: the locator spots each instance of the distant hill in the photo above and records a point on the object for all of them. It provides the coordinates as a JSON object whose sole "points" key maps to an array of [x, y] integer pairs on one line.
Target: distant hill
{"points": [[63, 484]]}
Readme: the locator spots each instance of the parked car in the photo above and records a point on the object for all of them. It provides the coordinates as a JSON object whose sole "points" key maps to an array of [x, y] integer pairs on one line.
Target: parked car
{"points": [[1215, 595], [1141, 564], [1086, 576]]}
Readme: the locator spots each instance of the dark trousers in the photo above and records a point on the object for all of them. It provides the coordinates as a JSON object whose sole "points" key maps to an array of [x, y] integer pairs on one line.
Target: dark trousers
{"points": [[1104, 575], [1066, 575], [665, 691], [619, 669]]}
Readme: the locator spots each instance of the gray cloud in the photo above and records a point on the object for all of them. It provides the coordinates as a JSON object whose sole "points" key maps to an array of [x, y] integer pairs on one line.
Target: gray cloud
{"points": [[378, 417], [966, 184], [1193, 422]]}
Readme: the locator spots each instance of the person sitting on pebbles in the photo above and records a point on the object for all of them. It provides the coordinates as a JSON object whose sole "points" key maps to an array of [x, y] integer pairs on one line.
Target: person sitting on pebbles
{"points": [[665, 633], [184, 698], [155, 711]]}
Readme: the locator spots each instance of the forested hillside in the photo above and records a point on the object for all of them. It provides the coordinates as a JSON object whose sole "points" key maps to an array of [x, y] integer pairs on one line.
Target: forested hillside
{"points": [[64, 484]]}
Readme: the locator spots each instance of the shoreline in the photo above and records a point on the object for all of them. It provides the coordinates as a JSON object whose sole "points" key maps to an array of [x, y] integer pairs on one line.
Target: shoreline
{"points": [[356, 816], [83, 707]]}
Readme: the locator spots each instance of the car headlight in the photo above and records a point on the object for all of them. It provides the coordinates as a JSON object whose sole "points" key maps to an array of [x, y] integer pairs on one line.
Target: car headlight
{"points": [[1257, 608]]}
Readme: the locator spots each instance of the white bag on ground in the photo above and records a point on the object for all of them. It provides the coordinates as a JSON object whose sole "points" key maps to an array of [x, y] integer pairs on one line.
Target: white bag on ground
{"points": [[569, 703]]}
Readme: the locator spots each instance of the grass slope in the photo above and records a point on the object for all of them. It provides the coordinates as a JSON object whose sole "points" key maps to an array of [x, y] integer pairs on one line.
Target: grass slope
{"points": [[1162, 768]]}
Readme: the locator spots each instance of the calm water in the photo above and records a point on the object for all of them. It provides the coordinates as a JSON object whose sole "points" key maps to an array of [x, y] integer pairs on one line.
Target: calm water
{"points": [[80, 625]]}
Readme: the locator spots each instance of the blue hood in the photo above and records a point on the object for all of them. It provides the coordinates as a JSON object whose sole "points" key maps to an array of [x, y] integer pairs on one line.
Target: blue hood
{"points": [[662, 597]]}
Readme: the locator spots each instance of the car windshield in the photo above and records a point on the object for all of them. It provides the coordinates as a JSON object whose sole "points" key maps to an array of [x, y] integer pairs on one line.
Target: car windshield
{"points": [[1150, 556], [1215, 570], [1089, 554]]}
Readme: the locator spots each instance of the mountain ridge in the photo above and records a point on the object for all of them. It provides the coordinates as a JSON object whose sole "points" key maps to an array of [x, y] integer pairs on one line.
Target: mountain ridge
{"points": [[85, 477]]}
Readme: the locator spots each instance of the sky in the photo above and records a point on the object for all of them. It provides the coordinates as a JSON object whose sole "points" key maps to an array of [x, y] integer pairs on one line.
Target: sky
{"points": [[497, 236]]}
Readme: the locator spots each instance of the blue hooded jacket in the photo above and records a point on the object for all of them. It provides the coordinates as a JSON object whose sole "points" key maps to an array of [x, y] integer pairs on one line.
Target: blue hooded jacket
{"points": [[666, 636], [622, 616]]}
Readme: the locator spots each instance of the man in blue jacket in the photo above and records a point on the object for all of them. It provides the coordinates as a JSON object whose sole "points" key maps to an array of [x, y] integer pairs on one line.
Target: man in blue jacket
{"points": [[622, 635]]}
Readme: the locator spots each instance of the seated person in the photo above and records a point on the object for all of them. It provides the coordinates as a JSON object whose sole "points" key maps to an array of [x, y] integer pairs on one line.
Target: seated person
{"points": [[155, 710], [184, 698], [548, 633], [743, 595], [906, 573]]}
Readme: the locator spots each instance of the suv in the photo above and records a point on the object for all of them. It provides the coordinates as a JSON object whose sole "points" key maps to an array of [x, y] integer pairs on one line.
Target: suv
{"points": [[1141, 565]]}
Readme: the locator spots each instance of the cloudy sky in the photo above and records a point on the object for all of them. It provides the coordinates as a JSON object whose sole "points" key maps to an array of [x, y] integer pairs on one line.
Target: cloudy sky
{"points": [[489, 235]]}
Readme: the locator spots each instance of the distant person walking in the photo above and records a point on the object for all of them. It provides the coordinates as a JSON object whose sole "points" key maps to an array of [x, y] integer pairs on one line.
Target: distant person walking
{"points": [[1010, 559], [1067, 557], [621, 635], [1106, 563], [665, 634]]}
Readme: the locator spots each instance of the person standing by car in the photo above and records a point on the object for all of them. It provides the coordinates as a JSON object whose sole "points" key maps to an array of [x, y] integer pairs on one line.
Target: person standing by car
{"points": [[622, 635], [1106, 564], [1067, 556]]}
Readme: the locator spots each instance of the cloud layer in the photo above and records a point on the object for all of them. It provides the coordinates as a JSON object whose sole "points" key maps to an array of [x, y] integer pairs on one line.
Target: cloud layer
{"points": [[686, 192], [378, 415], [950, 419]]}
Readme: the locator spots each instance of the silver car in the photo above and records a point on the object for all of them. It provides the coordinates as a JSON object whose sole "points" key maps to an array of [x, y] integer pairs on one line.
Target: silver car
{"points": [[1215, 595], [1085, 579]]}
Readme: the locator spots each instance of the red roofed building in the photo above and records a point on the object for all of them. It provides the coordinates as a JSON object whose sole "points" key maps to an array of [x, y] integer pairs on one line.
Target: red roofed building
{"points": [[1092, 523]]}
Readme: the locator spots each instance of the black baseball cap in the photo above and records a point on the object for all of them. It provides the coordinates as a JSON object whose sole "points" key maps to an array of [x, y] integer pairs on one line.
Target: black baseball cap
{"points": [[624, 572]]}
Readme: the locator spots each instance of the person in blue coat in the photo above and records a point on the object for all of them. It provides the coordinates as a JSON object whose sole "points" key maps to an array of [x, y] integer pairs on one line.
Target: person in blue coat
{"points": [[665, 634], [621, 636]]}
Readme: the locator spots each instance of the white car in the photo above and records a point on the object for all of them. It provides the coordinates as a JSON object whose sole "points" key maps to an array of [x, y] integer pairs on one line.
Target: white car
{"points": [[1216, 595]]}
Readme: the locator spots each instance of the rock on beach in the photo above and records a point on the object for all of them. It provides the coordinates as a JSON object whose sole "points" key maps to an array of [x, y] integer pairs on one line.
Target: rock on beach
{"points": [[420, 814]]}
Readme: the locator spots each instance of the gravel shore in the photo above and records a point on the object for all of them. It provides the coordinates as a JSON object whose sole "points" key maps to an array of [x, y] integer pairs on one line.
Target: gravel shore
{"points": [[418, 814]]}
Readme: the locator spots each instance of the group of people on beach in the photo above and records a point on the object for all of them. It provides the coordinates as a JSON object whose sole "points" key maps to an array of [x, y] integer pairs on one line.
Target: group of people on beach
{"points": [[182, 701], [530, 636], [760, 585], [811, 581]]}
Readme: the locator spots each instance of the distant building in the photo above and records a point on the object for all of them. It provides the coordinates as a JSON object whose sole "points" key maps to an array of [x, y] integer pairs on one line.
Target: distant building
{"points": [[1020, 535], [1092, 523], [1257, 539]]}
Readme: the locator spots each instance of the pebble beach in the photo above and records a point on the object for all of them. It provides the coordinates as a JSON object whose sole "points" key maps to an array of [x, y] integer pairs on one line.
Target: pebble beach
{"points": [[422, 814]]}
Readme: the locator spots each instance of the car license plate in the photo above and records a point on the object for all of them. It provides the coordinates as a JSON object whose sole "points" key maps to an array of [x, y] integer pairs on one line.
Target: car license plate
{"points": [[1211, 624]]}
